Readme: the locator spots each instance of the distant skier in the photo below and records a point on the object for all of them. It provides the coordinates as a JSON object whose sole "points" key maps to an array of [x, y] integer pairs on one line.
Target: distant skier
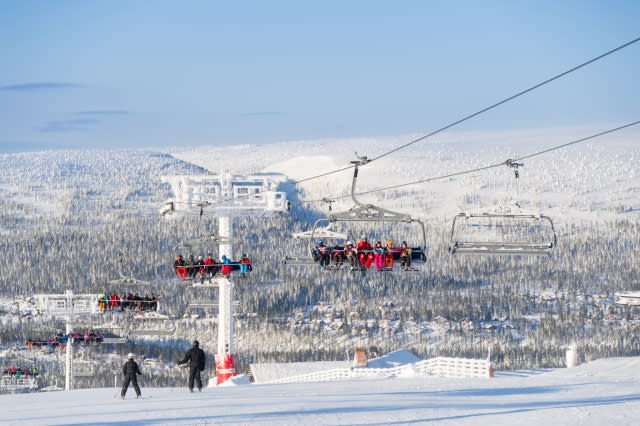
{"points": [[226, 266], [130, 370], [196, 359], [245, 264], [405, 256]]}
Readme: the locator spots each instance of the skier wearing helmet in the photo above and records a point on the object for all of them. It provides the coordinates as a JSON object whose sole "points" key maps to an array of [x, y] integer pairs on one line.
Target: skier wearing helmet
{"points": [[130, 370], [350, 254]]}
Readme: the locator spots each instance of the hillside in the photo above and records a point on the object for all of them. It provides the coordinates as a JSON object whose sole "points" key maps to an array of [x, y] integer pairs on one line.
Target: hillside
{"points": [[77, 219], [600, 392]]}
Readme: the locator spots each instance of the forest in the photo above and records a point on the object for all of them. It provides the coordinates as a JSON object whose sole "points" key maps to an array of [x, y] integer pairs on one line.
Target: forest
{"points": [[75, 221]]}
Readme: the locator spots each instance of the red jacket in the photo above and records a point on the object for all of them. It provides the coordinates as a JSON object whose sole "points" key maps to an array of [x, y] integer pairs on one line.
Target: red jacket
{"points": [[363, 246]]}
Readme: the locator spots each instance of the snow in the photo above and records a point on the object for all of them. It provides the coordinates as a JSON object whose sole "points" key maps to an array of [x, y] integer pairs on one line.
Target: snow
{"points": [[597, 180], [606, 391], [593, 180]]}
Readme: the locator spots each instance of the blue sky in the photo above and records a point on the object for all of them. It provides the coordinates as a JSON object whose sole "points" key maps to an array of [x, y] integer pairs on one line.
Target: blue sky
{"points": [[79, 74]]}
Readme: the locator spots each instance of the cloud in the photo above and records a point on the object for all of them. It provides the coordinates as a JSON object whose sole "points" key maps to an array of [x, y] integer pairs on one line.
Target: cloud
{"points": [[43, 85], [259, 114], [73, 125], [102, 112], [82, 121]]}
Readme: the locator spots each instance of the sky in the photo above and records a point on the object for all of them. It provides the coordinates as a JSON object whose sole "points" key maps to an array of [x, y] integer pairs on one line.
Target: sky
{"points": [[130, 74], [593, 394]]}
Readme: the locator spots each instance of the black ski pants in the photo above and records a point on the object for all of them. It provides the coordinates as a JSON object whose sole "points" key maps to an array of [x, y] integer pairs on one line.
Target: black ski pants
{"points": [[194, 374], [133, 379]]}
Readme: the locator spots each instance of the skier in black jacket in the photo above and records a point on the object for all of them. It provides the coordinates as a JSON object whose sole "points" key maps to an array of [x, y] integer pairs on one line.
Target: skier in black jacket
{"points": [[130, 370], [196, 359]]}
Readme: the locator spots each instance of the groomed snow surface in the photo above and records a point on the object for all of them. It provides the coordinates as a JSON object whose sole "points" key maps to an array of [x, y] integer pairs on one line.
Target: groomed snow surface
{"points": [[597, 393]]}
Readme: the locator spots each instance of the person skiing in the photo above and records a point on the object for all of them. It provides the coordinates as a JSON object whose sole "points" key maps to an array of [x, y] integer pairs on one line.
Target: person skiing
{"points": [[130, 370], [196, 359]]}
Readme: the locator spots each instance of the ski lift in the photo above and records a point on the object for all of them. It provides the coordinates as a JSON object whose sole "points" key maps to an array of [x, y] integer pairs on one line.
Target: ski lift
{"points": [[367, 213], [127, 281], [202, 296], [205, 272], [325, 233], [83, 366], [152, 324], [503, 230]]}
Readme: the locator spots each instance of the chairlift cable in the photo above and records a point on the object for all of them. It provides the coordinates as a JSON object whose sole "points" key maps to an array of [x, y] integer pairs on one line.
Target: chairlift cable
{"points": [[508, 162], [475, 114], [510, 98]]}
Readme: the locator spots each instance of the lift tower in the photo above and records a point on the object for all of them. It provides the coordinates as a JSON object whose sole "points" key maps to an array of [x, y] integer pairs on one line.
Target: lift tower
{"points": [[227, 196]]}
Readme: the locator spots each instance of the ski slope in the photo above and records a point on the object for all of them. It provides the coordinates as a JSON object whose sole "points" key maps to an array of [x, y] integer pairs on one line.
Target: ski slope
{"points": [[601, 392]]}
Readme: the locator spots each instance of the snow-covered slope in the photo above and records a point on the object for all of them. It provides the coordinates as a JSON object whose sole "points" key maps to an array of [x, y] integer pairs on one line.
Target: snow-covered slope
{"points": [[597, 393], [592, 180]]}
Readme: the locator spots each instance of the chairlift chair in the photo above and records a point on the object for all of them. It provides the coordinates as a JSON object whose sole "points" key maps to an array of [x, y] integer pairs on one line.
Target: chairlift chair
{"points": [[368, 213], [503, 230], [502, 234], [152, 325], [207, 242], [325, 233], [203, 295]]}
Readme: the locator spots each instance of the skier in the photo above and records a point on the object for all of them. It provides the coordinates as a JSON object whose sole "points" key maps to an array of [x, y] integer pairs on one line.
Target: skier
{"points": [[378, 254], [365, 252], [405, 256], [180, 267], [196, 359], [388, 255], [324, 254], [245, 264], [210, 269], [130, 370], [226, 266], [350, 254]]}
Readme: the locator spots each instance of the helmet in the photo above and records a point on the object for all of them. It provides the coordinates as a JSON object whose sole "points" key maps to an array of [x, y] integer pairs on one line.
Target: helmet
{"points": [[131, 355], [404, 243], [378, 242], [196, 343], [244, 254], [349, 243], [363, 237]]}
